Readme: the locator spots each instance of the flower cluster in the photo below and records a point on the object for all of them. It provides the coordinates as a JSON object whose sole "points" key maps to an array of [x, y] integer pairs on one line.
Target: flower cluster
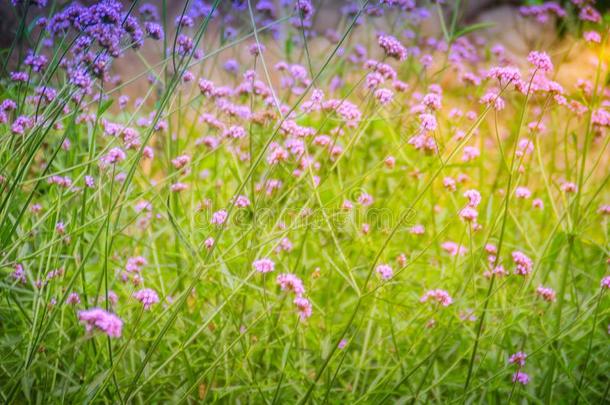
{"points": [[102, 320]]}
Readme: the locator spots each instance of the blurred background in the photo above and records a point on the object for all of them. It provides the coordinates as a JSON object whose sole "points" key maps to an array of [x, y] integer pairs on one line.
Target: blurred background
{"points": [[505, 26]]}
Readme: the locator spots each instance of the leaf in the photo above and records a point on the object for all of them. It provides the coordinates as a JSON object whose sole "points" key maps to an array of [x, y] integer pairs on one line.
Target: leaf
{"points": [[474, 27], [104, 106]]}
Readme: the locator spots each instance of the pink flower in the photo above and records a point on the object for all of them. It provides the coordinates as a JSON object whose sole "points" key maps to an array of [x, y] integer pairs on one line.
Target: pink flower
{"points": [[518, 359], [235, 132], [134, 264], [115, 155], [470, 153], [540, 60], [290, 282], [588, 13], [209, 243], [73, 299], [568, 187], [256, 49], [525, 146], [523, 263], [392, 47], [432, 101], [365, 199], [242, 201], [147, 297], [60, 228], [219, 217], [277, 155], [523, 192], [178, 187], [493, 99], [19, 273], [417, 230], [474, 198], [384, 96], [547, 294], [592, 36], [521, 378], [384, 271], [263, 265], [537, 203], [106, 322], [427, 122], [440, 296], [347, 205], [498, 271], [449, 184], [206, 87], [506, 74], [469, 214], [342, 344], [606, 282], [304, 307], [89, 181], [181, 161], [454, 249]]}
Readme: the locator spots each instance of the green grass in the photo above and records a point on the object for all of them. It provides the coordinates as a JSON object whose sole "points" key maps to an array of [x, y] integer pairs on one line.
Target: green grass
{"points": [[223, 332]]}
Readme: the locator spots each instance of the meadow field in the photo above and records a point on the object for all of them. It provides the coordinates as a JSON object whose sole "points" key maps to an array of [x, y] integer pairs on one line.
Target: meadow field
{"points": [[277, 202]]}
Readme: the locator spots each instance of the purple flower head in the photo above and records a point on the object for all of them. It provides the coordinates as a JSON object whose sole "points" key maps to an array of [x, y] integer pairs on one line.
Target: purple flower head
{"points": [[147, 296], [154, 30], [385, 271], [263, 265], [523, 264], [392, 47], [304, 307], [149, 12], [290, 282], [518, 359], [521, 378], [114, 156], [231, 66], [99, 319], [440, 296], [540, 60]]}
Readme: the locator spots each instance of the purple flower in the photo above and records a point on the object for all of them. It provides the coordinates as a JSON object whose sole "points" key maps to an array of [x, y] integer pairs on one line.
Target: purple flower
{"points": [[518, 359], [523, 263], [106, 322], [441, 296], [185, 44], [19, 77], [231, 66], [154, 30], [36, 62], [114, 156], [385, 271], [73, 299], [521, 378], [263, 265], [540, 60], [290, 282], [392, 47], [147, 296], [304, 307]]}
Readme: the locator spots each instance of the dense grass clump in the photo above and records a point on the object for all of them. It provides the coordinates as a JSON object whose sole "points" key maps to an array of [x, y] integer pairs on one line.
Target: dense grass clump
{"points": [[226, 202]]}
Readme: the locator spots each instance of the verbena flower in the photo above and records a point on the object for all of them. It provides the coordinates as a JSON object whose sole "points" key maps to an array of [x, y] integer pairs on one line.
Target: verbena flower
{"points": [[263, 265], [99, 319], [440, 296], [147, 296]]}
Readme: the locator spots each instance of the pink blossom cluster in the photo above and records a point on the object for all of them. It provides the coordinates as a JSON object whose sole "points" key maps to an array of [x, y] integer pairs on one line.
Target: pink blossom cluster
{"points": [[102, 320]]}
